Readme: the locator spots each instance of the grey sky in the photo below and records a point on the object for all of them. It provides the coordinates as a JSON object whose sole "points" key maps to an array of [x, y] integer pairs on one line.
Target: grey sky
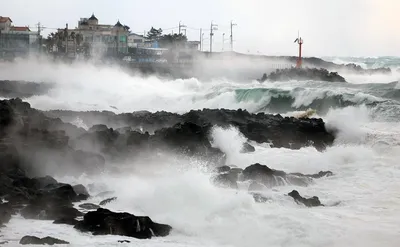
{"points": [[328, 27]]}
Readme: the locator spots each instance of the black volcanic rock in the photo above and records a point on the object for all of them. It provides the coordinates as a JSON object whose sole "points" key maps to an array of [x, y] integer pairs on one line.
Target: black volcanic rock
{"points": [[247, 148], [32, 240], [89, 206], [80, 189], [281, 131], [261, 176], [107, 201], [309, 202], [301, 74], [103, 222]]}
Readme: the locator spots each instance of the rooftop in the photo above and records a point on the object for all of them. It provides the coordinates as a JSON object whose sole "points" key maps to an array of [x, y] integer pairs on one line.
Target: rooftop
{"points": [[118, 24], [21, 29], [93, 18], [4, 19]]}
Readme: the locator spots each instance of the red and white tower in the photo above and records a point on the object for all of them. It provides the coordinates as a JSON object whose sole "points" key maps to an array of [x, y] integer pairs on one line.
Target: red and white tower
{"points": [[299, 41]]}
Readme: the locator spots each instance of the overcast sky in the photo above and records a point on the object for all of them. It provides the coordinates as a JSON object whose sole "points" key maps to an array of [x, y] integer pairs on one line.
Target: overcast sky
{"points": [[328, 27]]}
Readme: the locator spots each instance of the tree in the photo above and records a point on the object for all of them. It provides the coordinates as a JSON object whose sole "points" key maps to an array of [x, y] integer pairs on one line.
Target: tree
{"points": [[72, 36], [172, 40], [154, 34], [79, 39]]}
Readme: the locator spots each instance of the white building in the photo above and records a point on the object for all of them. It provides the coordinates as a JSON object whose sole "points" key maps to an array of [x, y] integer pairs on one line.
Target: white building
{"points": [[101, 38], [136, 41], [5, 23], [16, 39]]}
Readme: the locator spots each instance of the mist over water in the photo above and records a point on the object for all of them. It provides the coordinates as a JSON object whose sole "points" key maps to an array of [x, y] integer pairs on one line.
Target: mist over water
{"points": [[362, 204]]}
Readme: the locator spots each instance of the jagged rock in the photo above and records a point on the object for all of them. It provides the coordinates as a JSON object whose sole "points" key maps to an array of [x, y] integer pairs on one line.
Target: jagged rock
{"points": [[261, 176], [309, 202], [190, 130], [303, 74], [103, 221], [270, 178], [52, 203], [45, 181], [41, 241], [247, 148], [189, 137], [80, 189], [89, 206], [106, 201]]}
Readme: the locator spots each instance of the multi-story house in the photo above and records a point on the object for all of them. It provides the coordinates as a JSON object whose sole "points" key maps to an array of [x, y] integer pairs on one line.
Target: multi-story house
{"points": [[101, 38], [16, 40]]}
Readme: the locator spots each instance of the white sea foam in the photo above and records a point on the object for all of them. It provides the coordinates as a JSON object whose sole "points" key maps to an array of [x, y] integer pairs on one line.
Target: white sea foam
{"points": [[364, 160]]}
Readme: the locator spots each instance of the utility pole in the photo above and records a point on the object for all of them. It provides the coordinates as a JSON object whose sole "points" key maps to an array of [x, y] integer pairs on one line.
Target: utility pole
{"points": [[232, 24], [201, 40], [38, 36], [223, 41], [66, 38], [213, 27], [180, 26]]}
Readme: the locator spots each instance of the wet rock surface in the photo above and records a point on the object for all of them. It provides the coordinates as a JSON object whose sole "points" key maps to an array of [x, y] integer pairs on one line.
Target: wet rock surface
{"points": [[32, 142], [104, 222], [261, 176], [32, 240], [302, 74], [309, 202], [89, 206], [107, 201], [191, 131]]}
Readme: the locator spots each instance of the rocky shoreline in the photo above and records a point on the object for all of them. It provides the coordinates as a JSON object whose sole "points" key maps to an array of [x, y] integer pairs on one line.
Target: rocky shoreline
{"points": [[30, 139], [302, 74]]}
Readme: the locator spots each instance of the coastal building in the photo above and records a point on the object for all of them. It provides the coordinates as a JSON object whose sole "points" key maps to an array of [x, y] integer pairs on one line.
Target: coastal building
{"points": [[100, 39], [5, 23], [16, 40], [137, 41]]}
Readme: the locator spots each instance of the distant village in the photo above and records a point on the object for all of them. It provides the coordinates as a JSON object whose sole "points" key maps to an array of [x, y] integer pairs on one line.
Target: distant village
{"points": [[90, 39]]}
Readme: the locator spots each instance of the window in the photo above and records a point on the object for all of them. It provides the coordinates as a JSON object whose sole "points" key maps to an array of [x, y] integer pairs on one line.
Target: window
{"points": [[137, 41]]}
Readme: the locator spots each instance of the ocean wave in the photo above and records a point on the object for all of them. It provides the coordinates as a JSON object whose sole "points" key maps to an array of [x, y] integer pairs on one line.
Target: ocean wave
{"points": [[368, 62], [281, 101]]}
